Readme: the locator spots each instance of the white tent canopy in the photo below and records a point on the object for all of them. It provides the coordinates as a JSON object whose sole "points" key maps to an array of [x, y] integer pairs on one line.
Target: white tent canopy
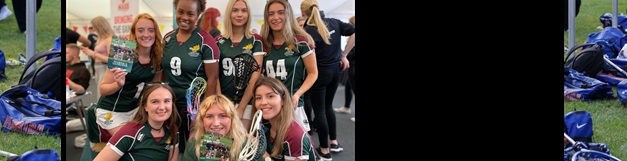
{"points": [[80, 12]]}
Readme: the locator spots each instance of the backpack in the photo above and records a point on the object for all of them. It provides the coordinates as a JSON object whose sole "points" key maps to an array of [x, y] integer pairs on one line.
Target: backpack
{"points": [[578, 125], [588, 61], [48, 77], [36, 155]]}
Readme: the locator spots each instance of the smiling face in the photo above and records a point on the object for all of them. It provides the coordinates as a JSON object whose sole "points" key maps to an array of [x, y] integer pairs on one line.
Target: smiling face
{"points": [[186, 14], [268, 101], [145, 33], [276, 16], [239, 14], [216, 120], [159, 105]]}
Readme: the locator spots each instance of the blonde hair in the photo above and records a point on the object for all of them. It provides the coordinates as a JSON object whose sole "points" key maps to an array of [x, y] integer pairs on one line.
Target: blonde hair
{"points": [[156, 51], [290, 29], [352, 20], [285, 116], [102, 27], [228, 25], [310, 8], [237, 131]]}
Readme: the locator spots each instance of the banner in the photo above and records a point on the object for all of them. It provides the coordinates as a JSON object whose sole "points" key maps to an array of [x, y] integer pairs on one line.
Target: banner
{"points": [[122, 14]]}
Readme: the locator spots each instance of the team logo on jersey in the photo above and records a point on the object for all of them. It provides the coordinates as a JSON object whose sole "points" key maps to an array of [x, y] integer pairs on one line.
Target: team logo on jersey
{"points": [[247, 49], [288, 50], [169, 140], [194, 51], [107, 117], [167, 39], [140, 137], [221, 40]]}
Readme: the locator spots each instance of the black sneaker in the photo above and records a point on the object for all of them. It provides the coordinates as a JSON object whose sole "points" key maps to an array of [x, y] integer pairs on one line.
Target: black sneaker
{"points": [[323, 157], [336, 148]]}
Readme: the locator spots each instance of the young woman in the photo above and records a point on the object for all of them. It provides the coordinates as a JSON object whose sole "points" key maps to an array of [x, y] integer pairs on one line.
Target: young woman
{"points": [[235, 40], [121, 90], [291, 57], [152, 135], [209, 21], [331, 61], [286, 139], [349, 89], [218, 115], [189, 52], [100, 54]]}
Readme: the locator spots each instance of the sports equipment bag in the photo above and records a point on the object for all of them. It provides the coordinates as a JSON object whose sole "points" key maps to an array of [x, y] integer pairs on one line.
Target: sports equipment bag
{"points": [[578, 125], [37, 155], [25, 110]]}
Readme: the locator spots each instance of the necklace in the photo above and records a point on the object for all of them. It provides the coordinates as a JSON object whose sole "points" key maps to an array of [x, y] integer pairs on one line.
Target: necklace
{"points": [[158, 130]]}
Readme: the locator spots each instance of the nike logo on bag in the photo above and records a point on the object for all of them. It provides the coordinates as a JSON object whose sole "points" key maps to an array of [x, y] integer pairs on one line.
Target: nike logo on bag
{"points": [[579, 126]]}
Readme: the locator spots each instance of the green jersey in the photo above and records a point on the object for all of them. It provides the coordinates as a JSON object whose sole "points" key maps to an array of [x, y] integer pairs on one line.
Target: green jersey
{"points": [[285, 63], [228, 50], [297, 144], [127, 97], [184, 61], [134, 142]]}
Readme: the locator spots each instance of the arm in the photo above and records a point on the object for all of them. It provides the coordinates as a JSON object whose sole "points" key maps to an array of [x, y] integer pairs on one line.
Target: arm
{"points": [[312, 75], [85, 42], [211, 70], [76, 87], [349, 46], [102, 57], [107, 154], [109, 84]]}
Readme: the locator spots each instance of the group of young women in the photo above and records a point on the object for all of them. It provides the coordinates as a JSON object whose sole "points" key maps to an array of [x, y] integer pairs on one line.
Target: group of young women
{"points": [[142, 115]]}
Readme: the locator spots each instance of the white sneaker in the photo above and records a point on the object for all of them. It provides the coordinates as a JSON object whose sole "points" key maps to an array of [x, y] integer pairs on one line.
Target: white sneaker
{"points": [[5, 12], [342, 110], [353, 119]]}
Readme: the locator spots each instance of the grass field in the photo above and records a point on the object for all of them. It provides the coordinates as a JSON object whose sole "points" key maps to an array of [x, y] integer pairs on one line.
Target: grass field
{"points": [[609, 116], [12, 42]]}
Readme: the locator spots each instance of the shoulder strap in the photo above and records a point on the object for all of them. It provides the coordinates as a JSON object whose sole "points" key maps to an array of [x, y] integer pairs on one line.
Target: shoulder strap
{"points": [[34, 59]]}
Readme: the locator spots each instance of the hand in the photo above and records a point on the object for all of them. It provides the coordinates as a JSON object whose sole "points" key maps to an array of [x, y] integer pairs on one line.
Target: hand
{"points": [[87, 51], [119, 76], [295, 100], [344, 63]]}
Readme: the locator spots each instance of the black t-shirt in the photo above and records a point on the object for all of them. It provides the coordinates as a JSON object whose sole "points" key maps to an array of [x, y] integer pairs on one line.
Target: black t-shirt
{"points": [[71, 36], [92, 38], [78, 73], [329, 55]]}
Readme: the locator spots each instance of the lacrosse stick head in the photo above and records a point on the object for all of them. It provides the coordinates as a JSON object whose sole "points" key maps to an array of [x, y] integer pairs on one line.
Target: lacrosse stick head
{"points": [[193, 96], [245, 65], [592, 155], [256, 144]]}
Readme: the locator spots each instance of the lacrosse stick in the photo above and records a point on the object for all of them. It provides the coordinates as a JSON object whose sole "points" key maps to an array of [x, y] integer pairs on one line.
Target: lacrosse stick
{"points": [[245, 65], [255, 146], [193, 95], [607, 60], [584, 154], [7, 154]]}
